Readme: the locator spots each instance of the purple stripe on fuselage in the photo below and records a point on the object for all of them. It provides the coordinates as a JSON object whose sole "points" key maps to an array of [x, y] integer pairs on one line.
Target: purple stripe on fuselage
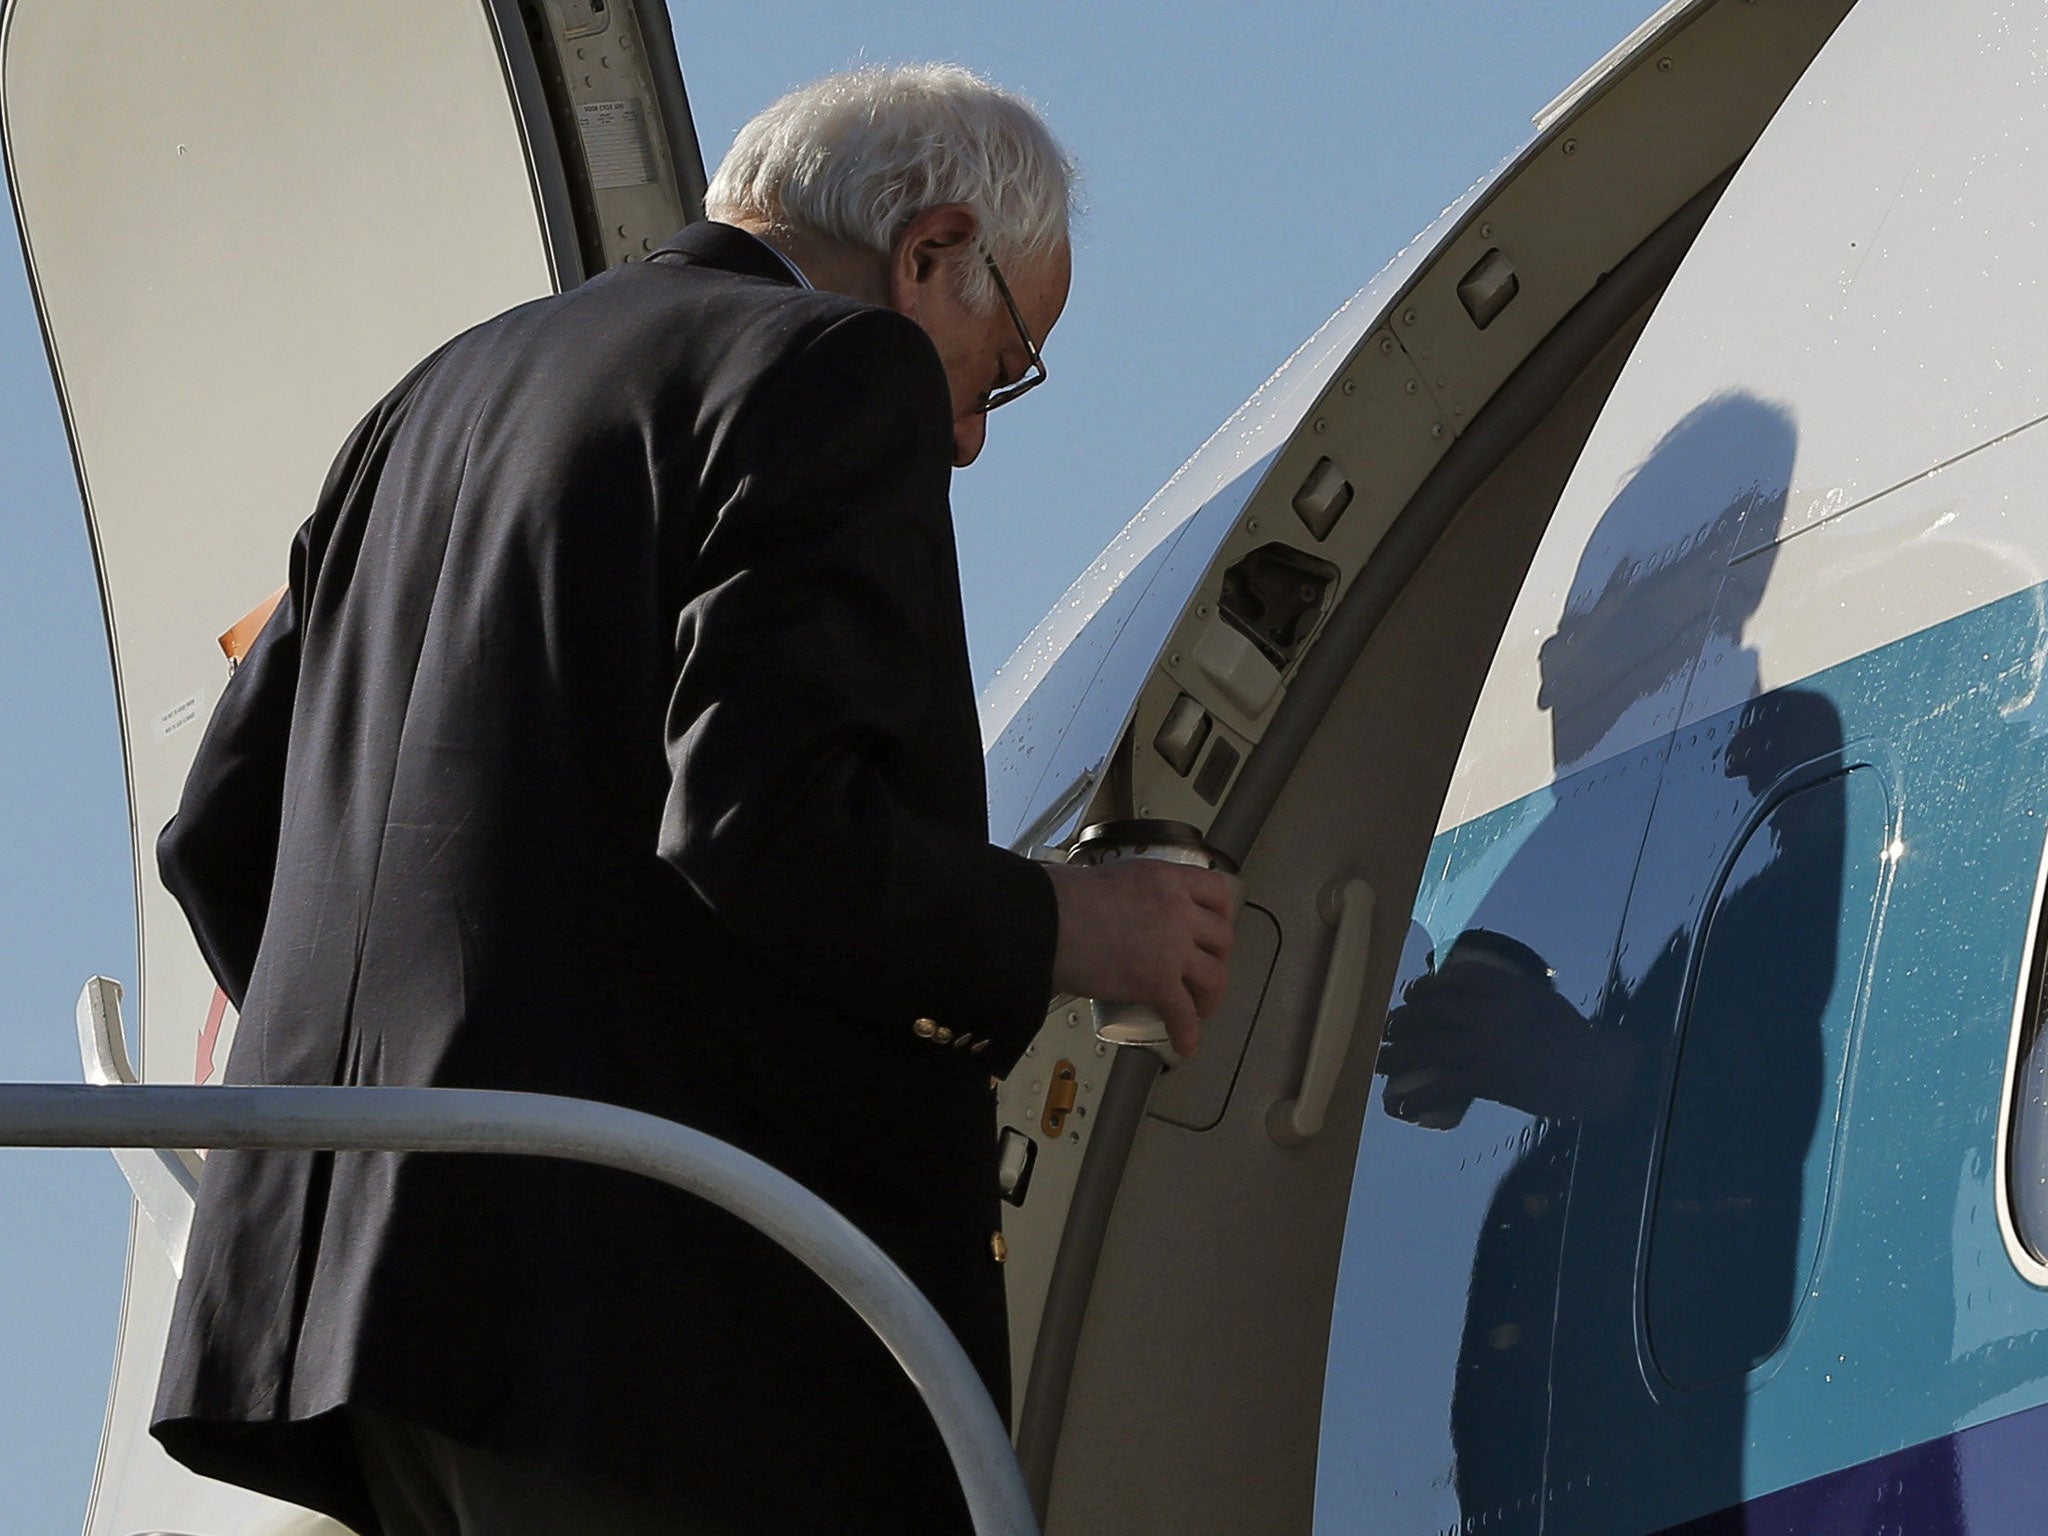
{"points": [[1989, 1480]]}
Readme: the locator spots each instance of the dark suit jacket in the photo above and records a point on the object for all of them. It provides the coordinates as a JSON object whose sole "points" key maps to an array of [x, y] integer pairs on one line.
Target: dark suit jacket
{"points": [[615, 738]]}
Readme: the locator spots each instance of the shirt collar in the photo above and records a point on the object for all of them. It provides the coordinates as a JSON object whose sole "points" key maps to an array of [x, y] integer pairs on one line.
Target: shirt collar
{"points": [[795, 271]]}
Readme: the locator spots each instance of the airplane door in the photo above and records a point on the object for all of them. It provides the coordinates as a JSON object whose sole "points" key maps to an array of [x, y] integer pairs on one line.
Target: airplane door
{"points": [[242, 224], [1274, 1335]]}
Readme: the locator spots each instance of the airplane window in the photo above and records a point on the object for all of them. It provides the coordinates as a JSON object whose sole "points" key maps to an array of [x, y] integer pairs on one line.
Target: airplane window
{"points": [[1763, 1051]]}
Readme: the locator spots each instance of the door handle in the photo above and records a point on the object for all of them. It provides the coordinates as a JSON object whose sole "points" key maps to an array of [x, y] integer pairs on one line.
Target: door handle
{"points": [[1348, 904]]}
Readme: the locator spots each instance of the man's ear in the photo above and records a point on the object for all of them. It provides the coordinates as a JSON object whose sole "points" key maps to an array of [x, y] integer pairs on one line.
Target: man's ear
{"points": [[925, 257]]}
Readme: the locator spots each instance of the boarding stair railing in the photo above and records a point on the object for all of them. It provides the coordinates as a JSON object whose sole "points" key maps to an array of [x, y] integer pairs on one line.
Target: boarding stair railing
{"points": [[142, 1122]]}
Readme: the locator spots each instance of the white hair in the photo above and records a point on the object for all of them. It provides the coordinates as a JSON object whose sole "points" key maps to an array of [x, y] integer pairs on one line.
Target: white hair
{"points": [[854, 157]]}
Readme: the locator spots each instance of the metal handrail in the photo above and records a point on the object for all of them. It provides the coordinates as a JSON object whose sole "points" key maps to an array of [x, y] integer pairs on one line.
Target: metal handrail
{"points": [[545, 1125]]}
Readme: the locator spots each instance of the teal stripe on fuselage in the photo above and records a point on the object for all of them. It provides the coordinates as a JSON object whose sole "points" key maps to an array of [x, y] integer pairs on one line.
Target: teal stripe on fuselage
{"points": [[1490, 1355]]}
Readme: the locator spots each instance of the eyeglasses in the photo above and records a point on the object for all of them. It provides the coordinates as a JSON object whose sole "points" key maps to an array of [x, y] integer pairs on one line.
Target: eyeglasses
{"points": [[1036, 375]]}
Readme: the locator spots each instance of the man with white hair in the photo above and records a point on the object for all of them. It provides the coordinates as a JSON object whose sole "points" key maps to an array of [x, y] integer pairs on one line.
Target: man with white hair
{"points": [[615, 738]]}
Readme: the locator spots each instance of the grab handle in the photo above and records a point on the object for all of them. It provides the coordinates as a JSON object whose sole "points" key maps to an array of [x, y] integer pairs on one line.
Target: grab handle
{"points": [[1348, 904]]}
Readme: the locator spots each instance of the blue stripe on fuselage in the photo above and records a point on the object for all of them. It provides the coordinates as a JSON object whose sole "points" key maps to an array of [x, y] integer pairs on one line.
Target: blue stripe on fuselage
{"points": [[1491, 1358]]}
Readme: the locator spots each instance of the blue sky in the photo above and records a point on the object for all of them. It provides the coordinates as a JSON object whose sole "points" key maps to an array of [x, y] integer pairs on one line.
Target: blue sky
{"points": [[1247, 167]]}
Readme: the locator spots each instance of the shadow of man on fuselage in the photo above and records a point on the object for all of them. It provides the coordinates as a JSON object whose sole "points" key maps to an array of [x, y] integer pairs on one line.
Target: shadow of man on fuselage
{"points": [[1577, 987]]}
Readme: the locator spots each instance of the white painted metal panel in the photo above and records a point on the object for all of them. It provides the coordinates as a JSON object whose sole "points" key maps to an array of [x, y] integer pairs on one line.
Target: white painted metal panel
{"points": [[1872, 275], [243, 224]]}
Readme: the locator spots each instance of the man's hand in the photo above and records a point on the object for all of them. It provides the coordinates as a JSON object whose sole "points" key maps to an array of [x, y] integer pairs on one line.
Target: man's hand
{"points": [[1145, 931]]}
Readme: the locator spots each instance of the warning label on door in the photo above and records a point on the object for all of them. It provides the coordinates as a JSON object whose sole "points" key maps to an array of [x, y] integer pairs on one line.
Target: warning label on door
{"points": [[178, 716], [615, 144]]}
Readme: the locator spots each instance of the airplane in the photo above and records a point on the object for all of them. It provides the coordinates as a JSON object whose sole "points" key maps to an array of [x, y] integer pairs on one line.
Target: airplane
{"points": [[1611, 651]]}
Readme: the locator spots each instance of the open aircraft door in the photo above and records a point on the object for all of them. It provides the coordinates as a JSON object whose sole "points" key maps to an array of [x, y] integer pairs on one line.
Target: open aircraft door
{"points": [[1283, 652], [242, 223]]}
